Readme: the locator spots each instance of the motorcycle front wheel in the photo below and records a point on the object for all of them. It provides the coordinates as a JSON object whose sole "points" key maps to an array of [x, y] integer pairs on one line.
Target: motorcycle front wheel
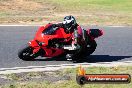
{"points": [[26, 53]]}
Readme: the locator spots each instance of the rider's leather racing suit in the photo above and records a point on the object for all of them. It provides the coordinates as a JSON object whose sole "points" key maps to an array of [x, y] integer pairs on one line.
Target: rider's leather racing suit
{"points": [[78, 42]]}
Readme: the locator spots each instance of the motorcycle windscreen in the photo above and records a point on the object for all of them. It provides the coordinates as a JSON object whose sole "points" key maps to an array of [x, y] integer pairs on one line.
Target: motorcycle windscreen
{"points": [[50, 30]]}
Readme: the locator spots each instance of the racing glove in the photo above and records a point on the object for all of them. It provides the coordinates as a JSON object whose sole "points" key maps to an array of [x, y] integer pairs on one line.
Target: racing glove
{"points": [[72, 47]]}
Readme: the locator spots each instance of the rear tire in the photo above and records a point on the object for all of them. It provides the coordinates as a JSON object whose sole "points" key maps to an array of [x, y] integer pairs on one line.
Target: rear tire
{"points": [[26, 53], [92, 46], [86, 51]]}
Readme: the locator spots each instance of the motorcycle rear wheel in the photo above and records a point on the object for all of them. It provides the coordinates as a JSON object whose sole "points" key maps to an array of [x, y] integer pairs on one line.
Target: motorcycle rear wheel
{"points": [[92, 46], [88, 50], [84, 53], [26, 53]]}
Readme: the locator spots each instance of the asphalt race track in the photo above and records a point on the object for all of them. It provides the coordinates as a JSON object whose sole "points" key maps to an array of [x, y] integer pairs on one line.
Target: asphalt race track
{"points": [[114, 45]]}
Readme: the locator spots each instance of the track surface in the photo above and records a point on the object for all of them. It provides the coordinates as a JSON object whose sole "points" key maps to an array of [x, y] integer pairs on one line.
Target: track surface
{"points": [[115, 45]]}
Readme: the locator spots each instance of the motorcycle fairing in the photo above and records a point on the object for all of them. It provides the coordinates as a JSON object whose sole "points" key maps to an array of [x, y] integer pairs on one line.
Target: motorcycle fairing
{"points": [[52, 52], [34, 45], [44, 38]]}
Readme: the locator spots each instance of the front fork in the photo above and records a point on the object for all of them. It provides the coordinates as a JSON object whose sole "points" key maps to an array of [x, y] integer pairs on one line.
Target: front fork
{"points": [[37, 50]]}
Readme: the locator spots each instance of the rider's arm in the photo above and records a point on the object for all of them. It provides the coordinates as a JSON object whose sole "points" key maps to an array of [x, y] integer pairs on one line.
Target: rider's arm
{"points": [[75, 40], [74, 45], [58, 25]]}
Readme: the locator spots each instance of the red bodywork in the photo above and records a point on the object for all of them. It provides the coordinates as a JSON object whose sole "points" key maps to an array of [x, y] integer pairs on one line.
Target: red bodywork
{"points": [[41, 37]]}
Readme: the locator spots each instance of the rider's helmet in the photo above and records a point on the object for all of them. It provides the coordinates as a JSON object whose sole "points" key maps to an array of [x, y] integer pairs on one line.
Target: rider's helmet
{"points": [[69, 22]]}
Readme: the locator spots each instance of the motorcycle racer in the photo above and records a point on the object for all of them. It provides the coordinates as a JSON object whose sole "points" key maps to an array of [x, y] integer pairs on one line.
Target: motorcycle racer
{"points": [[70, 26], [65, 38]]}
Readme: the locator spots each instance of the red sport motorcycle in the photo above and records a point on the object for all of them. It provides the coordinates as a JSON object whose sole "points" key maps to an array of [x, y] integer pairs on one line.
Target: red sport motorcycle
{"points": [[49, 42]]}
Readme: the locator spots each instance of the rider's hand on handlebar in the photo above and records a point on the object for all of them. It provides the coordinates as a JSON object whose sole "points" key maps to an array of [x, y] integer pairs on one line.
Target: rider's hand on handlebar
{"points": [[72, 47]]}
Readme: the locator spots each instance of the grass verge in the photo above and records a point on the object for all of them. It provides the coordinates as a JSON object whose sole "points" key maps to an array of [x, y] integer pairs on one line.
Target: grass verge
{"points": [[67, 83], [87, 12]]}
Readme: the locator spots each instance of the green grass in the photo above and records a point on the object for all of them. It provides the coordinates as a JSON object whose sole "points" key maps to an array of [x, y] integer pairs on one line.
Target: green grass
{"points": [[94, 5], [87, 12], [65, 84], [72, 82], [98, 12], [13, 76], [3, 14]]}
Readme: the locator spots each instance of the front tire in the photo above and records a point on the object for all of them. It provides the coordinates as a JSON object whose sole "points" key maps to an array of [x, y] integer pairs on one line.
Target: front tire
{"points": [[26, 53]]}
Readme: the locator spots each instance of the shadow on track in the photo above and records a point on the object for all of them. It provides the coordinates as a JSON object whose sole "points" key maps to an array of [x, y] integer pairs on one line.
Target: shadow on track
{"points": [[90, 59], [102, 58]]}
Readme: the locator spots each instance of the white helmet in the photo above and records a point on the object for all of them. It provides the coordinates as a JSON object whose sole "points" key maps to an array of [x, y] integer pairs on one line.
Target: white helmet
{"points": [[69, 22]]}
